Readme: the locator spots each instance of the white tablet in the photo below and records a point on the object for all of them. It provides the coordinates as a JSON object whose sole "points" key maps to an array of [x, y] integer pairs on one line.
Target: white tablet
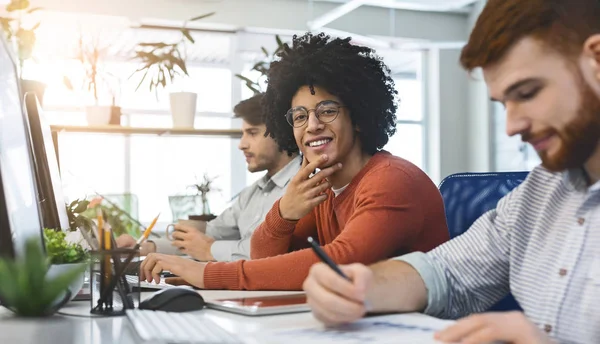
{"points": [[262, 305]]}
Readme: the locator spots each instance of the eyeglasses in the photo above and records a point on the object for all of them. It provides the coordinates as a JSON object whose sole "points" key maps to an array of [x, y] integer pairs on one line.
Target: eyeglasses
{"points": [[326, 112]]}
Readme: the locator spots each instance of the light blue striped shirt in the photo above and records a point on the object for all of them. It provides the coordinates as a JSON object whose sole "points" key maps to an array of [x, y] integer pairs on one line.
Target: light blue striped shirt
{"points": [[542, 243]]}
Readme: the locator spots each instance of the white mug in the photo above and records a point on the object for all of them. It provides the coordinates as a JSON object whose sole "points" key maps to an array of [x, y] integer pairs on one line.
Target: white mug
{"points": [[199, 225]]}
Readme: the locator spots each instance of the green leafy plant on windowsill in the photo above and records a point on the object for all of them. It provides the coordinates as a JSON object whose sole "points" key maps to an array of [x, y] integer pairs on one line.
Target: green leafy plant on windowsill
{"points": [[75, 212], [18, 31], [202, 188], [59, 251], [262, 67], [119, 220], [162, 62], [21, 278], [82, 212]]}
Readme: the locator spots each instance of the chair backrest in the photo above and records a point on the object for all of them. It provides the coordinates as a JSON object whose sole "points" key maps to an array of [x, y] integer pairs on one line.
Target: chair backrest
{"points": [[467, 196]]}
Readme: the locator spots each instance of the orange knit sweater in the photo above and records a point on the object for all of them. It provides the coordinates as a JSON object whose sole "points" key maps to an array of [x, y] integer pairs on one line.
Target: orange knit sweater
{"points": [[389, 208]]}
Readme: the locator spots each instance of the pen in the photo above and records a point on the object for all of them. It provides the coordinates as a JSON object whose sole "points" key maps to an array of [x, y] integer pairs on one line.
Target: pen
{"points": [[325, 258], [146, 232]]}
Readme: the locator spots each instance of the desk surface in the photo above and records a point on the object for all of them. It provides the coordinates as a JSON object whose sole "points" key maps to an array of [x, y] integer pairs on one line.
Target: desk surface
{"points": [[84, 329]]}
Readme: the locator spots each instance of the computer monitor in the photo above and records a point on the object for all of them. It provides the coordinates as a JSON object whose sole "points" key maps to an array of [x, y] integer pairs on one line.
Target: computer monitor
{"points": [[19, 211], [49, 186]]}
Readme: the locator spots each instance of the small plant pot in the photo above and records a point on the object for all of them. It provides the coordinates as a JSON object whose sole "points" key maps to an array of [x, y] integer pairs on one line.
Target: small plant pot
{"points": [[205, 217], [103, 115], [59, 269], [183, 109]]}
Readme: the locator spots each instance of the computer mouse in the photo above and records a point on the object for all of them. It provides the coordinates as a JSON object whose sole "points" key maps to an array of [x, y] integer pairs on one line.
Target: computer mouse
{"points": [[174, 300]]}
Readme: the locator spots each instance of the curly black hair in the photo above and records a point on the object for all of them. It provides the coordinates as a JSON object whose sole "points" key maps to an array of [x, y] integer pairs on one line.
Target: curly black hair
{"points": [[353, 73]]}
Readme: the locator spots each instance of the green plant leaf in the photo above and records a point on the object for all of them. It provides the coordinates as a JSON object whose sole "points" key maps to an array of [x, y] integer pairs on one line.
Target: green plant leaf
{"points": [[279, 41], [202, 16], [188, 35], [81, 207], [67, 83], [34, 9], [265, 51], [153, 44], [244, 78], [17, 5], [142, 81]]}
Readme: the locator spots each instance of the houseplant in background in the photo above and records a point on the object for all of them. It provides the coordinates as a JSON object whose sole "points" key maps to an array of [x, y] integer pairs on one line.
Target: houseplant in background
{"points": [[20, 281], [262, 67], [161, 63], [65, 256], [19, 27], [119, 220], [75, 209], [96, 80], [188, 206]]}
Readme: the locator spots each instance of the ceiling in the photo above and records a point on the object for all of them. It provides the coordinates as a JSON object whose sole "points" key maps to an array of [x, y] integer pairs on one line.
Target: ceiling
{"points": [[459, 6]]}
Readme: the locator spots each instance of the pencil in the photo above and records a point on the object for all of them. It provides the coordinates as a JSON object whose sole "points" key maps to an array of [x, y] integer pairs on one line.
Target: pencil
{"points": [[103, 268], [325, 258], [147, 232], [108, 265]]}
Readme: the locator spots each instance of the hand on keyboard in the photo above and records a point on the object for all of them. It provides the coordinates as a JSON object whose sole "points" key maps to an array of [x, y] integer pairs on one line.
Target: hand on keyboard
{"points": [[134, 280]]}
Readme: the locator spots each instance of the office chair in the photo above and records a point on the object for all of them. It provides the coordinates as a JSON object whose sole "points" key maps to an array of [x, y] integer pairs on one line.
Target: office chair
{"points": [[467, 196]]}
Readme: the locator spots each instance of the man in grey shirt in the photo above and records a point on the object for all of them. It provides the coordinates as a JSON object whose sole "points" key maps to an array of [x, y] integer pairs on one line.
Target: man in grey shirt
{"points": [[541, 60], [227, 237]]}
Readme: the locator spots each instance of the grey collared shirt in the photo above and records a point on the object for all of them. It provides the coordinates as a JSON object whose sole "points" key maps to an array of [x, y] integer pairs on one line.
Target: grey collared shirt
{"points": [[542, 243], [233, 228]]}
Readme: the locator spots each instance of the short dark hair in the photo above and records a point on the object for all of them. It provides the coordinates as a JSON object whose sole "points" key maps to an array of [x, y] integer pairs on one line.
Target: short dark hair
{"points": [[250, 110], [562, 25], [353, 73]]}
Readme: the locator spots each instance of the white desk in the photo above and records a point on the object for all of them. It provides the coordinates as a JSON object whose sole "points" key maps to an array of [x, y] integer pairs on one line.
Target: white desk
{"points": [[62, 329], [84, 329]]}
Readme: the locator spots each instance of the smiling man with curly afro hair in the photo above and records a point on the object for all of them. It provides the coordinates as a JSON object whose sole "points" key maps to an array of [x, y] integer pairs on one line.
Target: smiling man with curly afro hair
{"points": [[336, 102], [353, 73]]}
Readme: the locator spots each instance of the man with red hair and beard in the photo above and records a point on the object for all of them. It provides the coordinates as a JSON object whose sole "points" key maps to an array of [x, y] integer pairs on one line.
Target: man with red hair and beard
{"points": [[541, 60]]}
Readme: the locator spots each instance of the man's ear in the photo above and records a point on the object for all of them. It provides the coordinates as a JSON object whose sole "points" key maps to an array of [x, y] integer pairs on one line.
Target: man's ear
{"points": [[591, 59]]}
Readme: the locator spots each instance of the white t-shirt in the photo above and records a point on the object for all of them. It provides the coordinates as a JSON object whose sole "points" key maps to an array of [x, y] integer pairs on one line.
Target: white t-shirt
{"points": [[337, 192]]}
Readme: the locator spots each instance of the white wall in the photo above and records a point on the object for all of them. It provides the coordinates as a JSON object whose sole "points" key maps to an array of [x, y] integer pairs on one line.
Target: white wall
{"points": [[480, 137], [446, 113]]}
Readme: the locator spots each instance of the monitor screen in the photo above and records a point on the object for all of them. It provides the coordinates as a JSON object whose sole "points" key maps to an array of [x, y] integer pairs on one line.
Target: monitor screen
{"points": [[51, 198], [19, 212]]}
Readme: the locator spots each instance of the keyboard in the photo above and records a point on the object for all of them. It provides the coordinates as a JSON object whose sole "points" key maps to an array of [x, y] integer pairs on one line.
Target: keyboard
{"points": [[134, 280], [178, 328]]}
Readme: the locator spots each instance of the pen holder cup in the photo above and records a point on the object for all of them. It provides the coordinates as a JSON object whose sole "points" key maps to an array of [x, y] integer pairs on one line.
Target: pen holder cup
{"points": [[111, 291]]}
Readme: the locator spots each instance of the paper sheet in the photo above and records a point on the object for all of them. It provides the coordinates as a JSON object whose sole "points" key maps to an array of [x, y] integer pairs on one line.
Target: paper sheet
{"points": [[396, 328]]}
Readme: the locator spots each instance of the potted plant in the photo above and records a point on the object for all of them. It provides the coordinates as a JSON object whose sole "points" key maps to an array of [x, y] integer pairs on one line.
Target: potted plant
{"points": [[82, 212], [262, 67], [75, 209], [119, 220], [183, 206], [20, 281], [19, 29], [161, 63], [95, 81], [65, 256]]}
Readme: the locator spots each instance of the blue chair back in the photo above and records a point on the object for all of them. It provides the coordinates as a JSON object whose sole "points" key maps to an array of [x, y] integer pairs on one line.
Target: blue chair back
{"points": [[467, 196]]}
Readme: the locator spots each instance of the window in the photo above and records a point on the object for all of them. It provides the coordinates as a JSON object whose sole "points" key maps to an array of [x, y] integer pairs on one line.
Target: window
{"points": [[510, 153], [151, 167], [408, 142]]}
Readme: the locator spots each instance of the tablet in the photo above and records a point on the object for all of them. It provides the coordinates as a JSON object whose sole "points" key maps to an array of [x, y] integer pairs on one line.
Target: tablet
{"points": [[262, 305]]}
